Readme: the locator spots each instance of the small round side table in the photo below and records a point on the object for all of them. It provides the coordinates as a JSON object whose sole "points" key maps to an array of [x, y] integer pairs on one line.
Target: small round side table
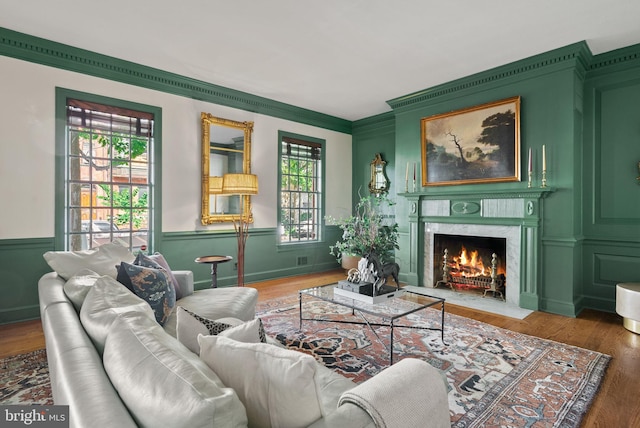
{"points": [[213, 261]]}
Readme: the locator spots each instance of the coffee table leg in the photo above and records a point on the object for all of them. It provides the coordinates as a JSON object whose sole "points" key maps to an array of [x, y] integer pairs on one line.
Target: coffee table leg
{"points": [[442, 325], [391, 346], [300, 311]]}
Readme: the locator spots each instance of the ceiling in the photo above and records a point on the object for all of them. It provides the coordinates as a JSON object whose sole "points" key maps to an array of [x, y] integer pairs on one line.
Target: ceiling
{"points": [[345, 58]]}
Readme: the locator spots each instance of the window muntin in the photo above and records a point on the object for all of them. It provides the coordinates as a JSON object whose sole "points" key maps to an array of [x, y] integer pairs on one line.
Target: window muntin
{"points": [[107, 176], [300, 190]]}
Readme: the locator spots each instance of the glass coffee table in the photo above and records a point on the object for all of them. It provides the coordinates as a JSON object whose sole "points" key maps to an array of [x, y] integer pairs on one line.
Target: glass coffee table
{"points": [[387, 313]]}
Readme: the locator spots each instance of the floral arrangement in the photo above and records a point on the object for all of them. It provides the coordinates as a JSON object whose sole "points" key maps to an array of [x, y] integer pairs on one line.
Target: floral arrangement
{"points": [[369, 229]]}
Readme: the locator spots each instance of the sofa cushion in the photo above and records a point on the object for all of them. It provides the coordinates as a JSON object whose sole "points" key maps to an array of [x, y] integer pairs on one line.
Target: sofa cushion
{"points": [[159, 259], [277, 386], [104, 302], [140, 260], [101, 260], [190, 325], [77, 287], [216, 303], [162, 383], [152, 285]]}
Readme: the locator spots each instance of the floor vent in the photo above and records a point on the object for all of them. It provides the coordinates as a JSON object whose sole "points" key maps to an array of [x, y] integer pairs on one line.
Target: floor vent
{"points": [[302, 261]]}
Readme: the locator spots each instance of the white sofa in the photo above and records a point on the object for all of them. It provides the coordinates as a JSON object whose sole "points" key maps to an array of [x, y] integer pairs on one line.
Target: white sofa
{"points": [[141, 375]]}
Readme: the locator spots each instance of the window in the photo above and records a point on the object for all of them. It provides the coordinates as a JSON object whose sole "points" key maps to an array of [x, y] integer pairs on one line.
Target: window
{"points": [[301, 183], [108, 158]]}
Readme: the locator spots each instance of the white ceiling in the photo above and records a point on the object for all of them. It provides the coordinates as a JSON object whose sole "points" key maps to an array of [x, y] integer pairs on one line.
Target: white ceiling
{"points": [[345, 58]]}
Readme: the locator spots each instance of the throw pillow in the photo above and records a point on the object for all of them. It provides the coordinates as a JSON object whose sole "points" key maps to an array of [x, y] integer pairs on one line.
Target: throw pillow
{"points": [[162, 383], [190, 325], [123, 277], [77, 287], [153, 286], [277, 386], [159, 259], [104, 302], [100, 260]]}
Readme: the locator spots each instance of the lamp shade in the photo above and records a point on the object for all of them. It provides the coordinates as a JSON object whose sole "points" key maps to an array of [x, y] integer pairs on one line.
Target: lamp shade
{"points": [[240, 184], [215, 185]]}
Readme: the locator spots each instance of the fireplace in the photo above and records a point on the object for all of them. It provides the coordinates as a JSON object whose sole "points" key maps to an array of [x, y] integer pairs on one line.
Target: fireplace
{"points": [[486, 240], [470, 263]]}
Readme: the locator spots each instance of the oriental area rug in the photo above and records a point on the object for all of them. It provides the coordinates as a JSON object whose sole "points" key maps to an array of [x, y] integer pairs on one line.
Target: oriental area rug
{"points": [[495, 377], [24, 379]]}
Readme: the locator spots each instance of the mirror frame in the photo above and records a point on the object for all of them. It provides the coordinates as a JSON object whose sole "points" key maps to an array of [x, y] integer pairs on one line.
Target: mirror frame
{"points": [[207, 120], [378, 163]]}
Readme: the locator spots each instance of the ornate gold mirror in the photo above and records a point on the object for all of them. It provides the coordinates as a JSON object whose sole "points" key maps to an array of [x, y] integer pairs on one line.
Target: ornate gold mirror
{"points": [[226, 149], [379, 182]]}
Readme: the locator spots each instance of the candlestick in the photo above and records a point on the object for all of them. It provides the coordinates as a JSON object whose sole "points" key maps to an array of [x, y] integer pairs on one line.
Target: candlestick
{"points": [[414, 177], [406, 179]]}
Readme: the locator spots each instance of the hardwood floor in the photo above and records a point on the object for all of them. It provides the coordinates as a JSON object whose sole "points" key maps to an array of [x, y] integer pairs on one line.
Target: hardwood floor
{"points": [[616, 405]]}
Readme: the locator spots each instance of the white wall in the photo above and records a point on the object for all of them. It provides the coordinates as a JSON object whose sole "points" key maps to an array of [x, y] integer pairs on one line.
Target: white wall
{"points": [[27, 151]]}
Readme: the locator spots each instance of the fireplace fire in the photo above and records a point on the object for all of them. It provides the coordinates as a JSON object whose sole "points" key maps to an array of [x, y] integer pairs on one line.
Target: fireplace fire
{"points": [[471, 263]]}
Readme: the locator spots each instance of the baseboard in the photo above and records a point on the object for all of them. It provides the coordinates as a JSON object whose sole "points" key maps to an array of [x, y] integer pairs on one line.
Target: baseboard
{"points": [[560, 308], [24, 313]]}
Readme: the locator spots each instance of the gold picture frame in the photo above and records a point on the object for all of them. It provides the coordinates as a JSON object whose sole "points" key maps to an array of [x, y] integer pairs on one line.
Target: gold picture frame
{"points": [[479, 144]]}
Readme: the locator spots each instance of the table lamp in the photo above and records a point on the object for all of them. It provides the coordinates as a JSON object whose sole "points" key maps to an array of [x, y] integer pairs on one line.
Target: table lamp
{"points": [[243, 185], [215, 188]]}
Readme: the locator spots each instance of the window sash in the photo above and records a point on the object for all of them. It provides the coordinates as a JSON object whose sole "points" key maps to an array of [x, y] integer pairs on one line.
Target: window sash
{"points": [[300, 193], [108, 176]]}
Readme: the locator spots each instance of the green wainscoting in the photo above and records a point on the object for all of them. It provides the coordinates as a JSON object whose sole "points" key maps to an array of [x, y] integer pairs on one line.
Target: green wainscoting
{"points": [[21, 265], [264, 258]]}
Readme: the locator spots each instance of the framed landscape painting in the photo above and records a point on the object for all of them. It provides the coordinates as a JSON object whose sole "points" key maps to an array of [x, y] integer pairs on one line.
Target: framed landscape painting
{"points": [[479, 144]]}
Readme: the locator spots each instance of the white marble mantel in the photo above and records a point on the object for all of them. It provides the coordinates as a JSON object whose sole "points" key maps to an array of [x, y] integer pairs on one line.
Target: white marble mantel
{"points": [[501, 211]]}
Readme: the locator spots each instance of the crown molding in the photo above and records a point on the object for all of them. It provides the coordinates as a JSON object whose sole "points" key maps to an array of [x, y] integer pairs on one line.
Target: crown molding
{"points": [[46, 52], [577, 56], [622, 58]]}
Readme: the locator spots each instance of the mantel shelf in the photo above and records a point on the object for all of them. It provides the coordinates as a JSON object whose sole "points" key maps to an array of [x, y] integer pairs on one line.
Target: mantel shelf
{"points": [[453, 193]]}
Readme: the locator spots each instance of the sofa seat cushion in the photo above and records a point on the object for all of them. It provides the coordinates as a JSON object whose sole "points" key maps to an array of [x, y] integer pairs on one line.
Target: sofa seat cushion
{"points": [[102, 260], [162, 383], [216, 303], [279, 387], [104, 302]]}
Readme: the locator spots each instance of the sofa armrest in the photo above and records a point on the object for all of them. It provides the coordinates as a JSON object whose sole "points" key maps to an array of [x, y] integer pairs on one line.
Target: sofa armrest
{"points": [[410, 393], [347, 415], [185, 280]]}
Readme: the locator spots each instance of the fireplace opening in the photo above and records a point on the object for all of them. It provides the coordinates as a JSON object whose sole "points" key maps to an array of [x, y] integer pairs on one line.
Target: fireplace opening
{"points": [[473, 263]]}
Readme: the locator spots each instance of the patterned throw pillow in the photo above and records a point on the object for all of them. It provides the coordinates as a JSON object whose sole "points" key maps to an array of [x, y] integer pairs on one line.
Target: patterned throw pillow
{"points": [[190, 325], [152, 285], [159, 259]]}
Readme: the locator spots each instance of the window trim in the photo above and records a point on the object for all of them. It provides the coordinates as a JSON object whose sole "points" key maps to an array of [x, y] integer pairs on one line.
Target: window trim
{"points": [[301, 139], [155, 163]]}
